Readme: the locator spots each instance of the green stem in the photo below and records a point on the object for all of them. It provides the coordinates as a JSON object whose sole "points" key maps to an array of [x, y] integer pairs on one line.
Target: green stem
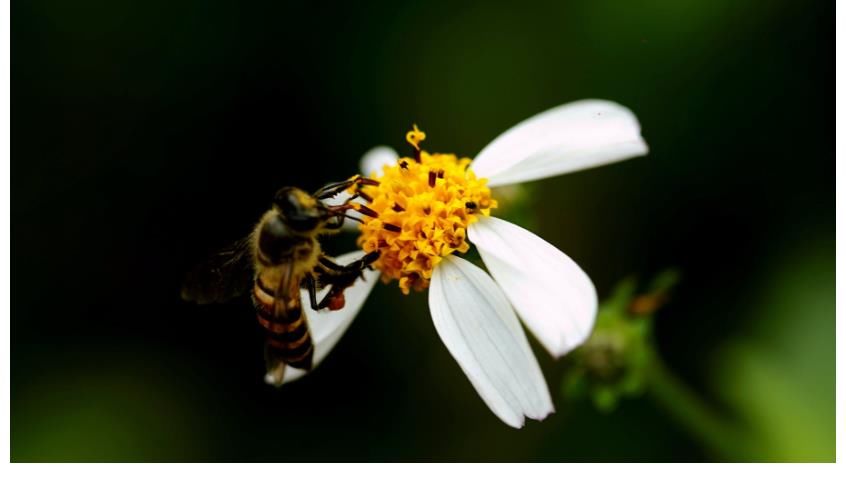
{"points": [[690, 411]]}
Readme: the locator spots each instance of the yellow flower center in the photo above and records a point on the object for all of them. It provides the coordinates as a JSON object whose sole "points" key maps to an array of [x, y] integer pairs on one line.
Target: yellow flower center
{"points": [[419, 213]]}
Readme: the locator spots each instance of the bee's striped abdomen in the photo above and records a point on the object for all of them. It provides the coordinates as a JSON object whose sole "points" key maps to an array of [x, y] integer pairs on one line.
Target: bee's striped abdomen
{"points": [[288, 337]]}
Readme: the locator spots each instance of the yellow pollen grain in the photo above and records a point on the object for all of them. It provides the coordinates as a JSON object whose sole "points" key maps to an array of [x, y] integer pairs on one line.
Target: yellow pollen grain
{"points": [[423, 210]]}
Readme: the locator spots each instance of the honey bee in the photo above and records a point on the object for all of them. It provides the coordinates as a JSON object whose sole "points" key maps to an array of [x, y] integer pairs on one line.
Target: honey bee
{"points": [[281, 255]]}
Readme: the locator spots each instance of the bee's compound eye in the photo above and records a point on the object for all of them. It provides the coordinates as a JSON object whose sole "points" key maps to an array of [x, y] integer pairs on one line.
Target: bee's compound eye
{"points": [[300, 210], [286, 200], [303, 223], [274, 239]]}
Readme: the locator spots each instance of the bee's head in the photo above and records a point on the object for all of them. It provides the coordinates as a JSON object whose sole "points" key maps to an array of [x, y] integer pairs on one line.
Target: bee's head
{"points": [[301, 211]]}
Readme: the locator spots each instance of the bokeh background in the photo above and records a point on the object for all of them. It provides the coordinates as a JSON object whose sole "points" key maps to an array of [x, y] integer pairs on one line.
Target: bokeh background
{"points": [[149, 133]]}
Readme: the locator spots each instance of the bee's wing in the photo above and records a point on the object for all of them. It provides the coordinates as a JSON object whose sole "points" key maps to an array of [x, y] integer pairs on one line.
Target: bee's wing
{"points": [[287, 294], [226, 274]]}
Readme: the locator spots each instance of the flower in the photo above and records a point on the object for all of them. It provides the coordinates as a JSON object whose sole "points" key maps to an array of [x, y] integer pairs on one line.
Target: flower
{"points": [[428, 208], [419, 214]]}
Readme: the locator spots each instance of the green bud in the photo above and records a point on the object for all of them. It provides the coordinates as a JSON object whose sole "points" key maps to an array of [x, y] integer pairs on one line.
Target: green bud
{"points": [[614, 361]]}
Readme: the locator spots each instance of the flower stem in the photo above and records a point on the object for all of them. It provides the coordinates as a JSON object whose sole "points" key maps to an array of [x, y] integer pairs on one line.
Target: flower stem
{"points": [[690, 411]]}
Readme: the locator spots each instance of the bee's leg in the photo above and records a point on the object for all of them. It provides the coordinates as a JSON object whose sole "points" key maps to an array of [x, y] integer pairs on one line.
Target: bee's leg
{"points": [[339, 212], [312, 291], [333, 189], [331, 265], [340, 278], [336, 223], [355, 266], [334, 300]]}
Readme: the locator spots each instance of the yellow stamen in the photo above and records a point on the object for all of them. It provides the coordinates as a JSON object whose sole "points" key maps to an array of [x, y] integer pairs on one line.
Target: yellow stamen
{"points": [[414, 137], [423, 211]]}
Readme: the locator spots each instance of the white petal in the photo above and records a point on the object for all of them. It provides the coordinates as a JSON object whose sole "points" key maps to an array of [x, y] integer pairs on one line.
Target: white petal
{"points": [[480, 330], [328, 326], [373, 160], [566, 138], [553, 296]]}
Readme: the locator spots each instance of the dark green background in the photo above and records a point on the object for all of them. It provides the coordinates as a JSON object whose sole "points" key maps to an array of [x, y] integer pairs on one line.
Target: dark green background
{"points": [[147, 133]]}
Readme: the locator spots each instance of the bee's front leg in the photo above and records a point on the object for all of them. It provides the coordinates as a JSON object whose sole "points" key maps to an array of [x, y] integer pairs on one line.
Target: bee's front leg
{"points": [[355, 266], [333, 189]]}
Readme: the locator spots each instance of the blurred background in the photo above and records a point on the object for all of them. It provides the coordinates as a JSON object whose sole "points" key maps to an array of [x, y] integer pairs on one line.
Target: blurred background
{"points": [[147, 134]]}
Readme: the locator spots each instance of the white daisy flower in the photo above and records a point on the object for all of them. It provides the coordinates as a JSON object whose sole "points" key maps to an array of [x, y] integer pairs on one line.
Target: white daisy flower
{"points": [[427, 208]]}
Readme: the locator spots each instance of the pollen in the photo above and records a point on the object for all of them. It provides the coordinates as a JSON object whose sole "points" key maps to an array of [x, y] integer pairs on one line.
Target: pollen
{"points": [[419, 213]]}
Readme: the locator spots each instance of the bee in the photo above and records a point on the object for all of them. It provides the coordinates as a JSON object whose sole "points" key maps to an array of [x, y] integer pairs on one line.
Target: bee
{"points": [[280, 256]]}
